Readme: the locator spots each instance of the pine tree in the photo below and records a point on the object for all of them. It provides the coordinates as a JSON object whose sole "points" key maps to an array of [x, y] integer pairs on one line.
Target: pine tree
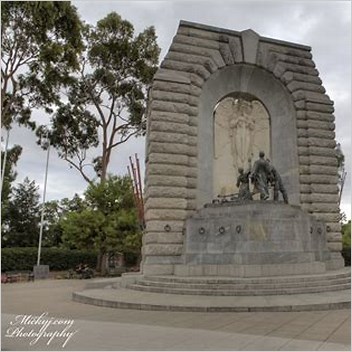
{"points": [[22, 227]]}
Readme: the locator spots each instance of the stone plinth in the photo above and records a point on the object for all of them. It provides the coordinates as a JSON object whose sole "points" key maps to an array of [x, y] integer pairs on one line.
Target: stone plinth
{"points": [[41, 272], [252, 239]]}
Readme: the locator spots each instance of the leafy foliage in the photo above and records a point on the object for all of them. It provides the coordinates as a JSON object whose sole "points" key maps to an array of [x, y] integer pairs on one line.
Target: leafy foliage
{"points": [[52, 231], [109, 223], [54, 211], [106, 101], [22, 225], [346, 235], [40, 46], [346, 242], [10, 175]]}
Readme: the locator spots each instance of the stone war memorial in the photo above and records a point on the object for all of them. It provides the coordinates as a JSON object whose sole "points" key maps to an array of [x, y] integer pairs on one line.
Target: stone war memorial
{"points": [[241, 187]]}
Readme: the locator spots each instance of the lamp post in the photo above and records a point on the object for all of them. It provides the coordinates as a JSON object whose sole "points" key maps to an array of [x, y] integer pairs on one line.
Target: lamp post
{"points": [[4, 161], [43, 204]]}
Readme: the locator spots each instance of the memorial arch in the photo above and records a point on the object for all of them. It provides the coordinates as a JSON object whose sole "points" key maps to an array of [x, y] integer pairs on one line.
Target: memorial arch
{"points": [[204, 67]]}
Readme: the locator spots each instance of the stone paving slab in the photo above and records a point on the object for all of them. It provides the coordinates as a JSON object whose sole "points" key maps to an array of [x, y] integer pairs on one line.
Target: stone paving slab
{"points": [[114, 336], [106, 329]]}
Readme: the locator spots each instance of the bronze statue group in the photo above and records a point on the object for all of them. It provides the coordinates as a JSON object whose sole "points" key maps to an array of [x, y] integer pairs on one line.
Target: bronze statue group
{"points": [[262, 175]]}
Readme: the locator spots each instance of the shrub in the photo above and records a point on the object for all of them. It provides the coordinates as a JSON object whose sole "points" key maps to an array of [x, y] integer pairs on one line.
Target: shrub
{"points": [[346, 242], [17, 259], [346, 253], [131, 258]]}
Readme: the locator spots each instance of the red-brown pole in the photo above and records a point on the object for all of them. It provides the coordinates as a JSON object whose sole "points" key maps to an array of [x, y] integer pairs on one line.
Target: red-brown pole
{"points": [[140, 189], [138, 200], [133, 190], [139, 178], [134, 177]]}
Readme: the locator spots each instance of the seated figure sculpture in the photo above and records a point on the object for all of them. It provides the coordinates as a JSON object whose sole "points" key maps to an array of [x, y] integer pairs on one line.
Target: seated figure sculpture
{"points": [[244, 192]]}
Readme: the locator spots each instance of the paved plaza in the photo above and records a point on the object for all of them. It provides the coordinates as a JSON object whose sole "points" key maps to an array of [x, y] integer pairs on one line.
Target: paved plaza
{"points": [[107, 329]]}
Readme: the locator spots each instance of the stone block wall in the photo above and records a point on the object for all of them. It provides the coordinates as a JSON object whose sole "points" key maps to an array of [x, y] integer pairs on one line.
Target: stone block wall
{"points": [[196, 53]]}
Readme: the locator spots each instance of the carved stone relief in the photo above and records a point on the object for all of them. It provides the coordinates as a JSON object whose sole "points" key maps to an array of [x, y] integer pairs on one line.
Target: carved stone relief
{"points": [[241, 130]]}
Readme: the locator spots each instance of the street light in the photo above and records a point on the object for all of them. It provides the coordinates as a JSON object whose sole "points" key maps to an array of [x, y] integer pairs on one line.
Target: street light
{"points": [[4, 161], [43, 204]]}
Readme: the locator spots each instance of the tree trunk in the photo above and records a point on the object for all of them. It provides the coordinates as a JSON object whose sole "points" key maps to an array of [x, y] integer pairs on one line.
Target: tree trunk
{"points": [[104, 165], [98, 267], [101, 262]]}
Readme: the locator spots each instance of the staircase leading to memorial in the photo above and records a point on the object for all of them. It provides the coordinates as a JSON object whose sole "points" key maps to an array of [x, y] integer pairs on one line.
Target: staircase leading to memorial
{"points": [[259, 286], [222, 294]]}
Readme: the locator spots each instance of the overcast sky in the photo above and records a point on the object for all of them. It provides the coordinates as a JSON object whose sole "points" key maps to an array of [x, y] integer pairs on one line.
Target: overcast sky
{"points": [[323, 25]]}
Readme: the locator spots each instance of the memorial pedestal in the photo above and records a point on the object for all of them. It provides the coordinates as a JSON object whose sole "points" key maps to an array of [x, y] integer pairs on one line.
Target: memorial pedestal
{"points": [[254, 238]]}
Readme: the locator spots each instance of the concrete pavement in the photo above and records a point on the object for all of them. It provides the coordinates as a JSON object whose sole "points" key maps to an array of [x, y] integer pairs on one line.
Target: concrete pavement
{"points": [[107, 329]]}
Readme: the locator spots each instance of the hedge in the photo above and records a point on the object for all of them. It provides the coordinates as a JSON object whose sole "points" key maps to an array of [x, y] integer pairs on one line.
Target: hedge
{"points": [[24, 258], [17, 259]]}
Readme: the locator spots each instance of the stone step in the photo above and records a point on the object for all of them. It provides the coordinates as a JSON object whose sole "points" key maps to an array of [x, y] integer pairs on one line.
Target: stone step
{"points": [[121, 297], [245, 285], [128, 299], [343, 273], [239, 292]]}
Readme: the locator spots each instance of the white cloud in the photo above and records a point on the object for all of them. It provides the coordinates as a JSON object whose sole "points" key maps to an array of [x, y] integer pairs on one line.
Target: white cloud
{"points": [[323, 25]]}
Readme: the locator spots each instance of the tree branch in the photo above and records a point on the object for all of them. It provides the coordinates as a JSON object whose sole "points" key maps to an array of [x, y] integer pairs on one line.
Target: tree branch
{"points": [[95, 102], [79, 168], [120, 116], [5, 109], [3, 88], [4, 61], [29, 59], [123, 140]]}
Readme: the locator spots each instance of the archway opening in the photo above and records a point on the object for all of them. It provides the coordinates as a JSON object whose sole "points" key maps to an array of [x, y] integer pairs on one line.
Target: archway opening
{"points": [[249, 83], [241, 130]]}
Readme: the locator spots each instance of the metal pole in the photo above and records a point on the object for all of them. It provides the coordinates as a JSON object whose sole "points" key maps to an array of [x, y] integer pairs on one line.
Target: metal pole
{"points": [[43, 205], [4, 161]]}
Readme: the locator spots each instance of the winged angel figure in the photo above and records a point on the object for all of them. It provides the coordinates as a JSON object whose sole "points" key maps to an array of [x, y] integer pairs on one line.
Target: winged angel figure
{"points": [[240, 121]]}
